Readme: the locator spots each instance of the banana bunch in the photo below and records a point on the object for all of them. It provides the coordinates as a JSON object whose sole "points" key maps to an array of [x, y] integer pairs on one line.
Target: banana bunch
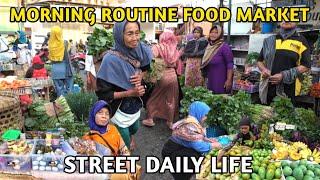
{"points": [[280, 155], [279, 145], [305, 153], [276, 137], [315, 156], [299, 145]]}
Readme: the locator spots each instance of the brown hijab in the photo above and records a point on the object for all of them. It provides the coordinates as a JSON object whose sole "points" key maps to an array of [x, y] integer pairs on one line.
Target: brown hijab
{"points": [[213, 46]]}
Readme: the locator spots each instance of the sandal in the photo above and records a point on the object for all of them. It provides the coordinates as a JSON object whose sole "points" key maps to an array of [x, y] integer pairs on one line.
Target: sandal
{"points": [[148, 122]]}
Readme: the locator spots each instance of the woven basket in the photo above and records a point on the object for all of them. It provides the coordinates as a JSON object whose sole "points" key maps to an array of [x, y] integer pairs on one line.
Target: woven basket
{"points": [[10, 112]]}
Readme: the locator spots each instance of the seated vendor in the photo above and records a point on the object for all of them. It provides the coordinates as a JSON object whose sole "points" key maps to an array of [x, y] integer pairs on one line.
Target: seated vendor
{"points": [[188, 138], [247, 132], [106, 134], [37, 70]]}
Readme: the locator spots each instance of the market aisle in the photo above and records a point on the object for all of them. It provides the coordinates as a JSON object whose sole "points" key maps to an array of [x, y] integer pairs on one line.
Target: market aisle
{"points": [[149, 143]]}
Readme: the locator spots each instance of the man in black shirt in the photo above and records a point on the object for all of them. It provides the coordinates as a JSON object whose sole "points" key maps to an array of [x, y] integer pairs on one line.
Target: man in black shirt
{"points": [[290, 58]]}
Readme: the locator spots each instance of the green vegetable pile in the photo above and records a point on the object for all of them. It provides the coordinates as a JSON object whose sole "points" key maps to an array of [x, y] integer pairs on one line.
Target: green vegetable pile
{"points": [[99, 41], [260, 113], [38, 120], [80, 104], [226, 111], [194, 94], [304, 119]]}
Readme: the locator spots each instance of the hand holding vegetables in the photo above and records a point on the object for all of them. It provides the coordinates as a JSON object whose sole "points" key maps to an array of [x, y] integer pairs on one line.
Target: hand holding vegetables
{"points": [[276, 79], [137, 91], [266, 73]]}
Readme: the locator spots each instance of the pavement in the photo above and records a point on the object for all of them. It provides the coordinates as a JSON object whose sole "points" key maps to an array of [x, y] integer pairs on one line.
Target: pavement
{"points": [[149, 142]]}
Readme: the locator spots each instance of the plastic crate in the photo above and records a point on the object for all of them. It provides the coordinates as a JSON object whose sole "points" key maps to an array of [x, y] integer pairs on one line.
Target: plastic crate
{"points": [[43, 160], [24, 162]]}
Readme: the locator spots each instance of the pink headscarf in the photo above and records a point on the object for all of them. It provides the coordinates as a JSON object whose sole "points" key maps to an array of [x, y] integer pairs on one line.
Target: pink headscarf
{"points": [[167, 49]]}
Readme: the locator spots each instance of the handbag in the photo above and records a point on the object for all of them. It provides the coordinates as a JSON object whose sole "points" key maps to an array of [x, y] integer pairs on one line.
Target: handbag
{"points": [[123, 119]]}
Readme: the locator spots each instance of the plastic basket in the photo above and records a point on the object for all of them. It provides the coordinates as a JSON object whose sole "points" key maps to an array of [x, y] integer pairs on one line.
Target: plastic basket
{"points": [[40, 161], [24, 162]]}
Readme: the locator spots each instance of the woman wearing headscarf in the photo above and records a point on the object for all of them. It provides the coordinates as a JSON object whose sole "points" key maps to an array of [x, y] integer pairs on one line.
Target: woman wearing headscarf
{"points": [[119, 79], [189, 138], [193, 54], [106, 134], [217, 63], [164, 100], [61, 72], [22, 47]]}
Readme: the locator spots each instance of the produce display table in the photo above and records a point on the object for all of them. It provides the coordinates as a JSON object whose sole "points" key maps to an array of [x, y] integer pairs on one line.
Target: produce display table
{"points": [[65, 176], [54, 176]]}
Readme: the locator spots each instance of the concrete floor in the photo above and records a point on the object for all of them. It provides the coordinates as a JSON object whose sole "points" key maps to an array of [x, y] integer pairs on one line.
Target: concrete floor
{"points": [[149, 143]]}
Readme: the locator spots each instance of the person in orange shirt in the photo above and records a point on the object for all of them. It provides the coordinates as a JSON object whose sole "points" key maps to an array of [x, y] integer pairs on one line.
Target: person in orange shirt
{"points": [[107, 134]]}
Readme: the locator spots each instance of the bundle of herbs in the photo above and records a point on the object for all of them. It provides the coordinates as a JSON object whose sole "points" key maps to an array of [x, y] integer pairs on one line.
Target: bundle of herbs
{"points": [[156, 71]]}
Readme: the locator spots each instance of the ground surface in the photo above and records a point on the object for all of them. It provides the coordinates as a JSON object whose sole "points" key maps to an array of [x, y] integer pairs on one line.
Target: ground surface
{"points": [[149, 143]]}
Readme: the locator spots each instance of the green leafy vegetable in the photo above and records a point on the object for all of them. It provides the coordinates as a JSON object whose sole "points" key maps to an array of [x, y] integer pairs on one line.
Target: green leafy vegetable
{"points": [[99, 41]]}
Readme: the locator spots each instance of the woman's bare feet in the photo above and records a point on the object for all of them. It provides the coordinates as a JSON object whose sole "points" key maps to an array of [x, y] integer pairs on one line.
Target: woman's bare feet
{"points": [[148, 122], [132, 144], [169, 124]]}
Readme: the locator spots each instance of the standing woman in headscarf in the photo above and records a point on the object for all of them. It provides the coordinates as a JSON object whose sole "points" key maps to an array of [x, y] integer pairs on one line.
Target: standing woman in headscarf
{"points": [[217, 63], [22, 48], [119, 79], [189, 138], [61, 72], [164, 100], [194, 52]]}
